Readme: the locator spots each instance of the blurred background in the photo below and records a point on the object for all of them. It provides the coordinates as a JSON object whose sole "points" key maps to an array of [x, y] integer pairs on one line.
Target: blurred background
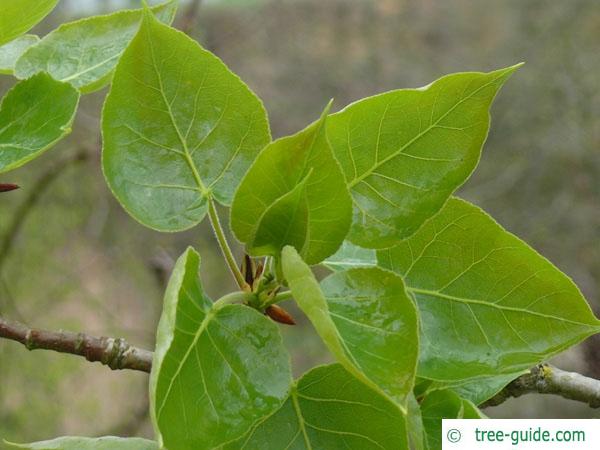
{"points": [[71, 258]]}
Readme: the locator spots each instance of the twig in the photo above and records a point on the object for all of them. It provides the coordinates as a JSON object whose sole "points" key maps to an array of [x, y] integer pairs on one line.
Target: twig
{"points": [[546, 379], [115, 353]]}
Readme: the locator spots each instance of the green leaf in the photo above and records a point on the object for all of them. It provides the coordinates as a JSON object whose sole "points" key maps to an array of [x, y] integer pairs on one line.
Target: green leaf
{"points": [[294, 194], [34, 115], [20, 16], [350, 256], [81, 443], [443, 405], [217, 368], [404, 152], [329, 409], [85, 52], [11, 51], [489, 303], [179, 129], [479, 390], [366, 320], [415, 428]]}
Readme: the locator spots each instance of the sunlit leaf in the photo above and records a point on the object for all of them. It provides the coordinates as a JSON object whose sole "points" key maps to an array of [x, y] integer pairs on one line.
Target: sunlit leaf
{"points": [[404, 152], [350, 256], [81, 443], [34, 115], [85, 52], [366, 320], [329, 409], [179, 129], [19, 16], [294, 194], [11, 51], [489, 304], [217, 368]]}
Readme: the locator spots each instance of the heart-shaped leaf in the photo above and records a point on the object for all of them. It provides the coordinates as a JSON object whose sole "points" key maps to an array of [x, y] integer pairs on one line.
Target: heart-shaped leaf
{"points": [[179, 129], [294, 194], [350, 256], [489, 303], [404, 152], [85, 52], [12, 51], [329, 409], [20, 16], [365, 318], [217, 368], [82, 443], [34, 115]]}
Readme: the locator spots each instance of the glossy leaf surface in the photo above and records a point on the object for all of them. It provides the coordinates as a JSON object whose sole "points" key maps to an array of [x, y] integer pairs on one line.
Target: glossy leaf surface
{"points": [[351, 256], [179, 128], [294, 194], [12, 51], [217, 368], [329, 409], [34, 115], [444, 405], [404, 152], [19, 16], [81, 443], [366, 320], [85, 52], [489, 304]]}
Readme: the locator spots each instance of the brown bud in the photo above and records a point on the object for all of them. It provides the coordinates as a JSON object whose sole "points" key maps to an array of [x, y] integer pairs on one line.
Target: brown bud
{"points": [[6, 187], [248, 269], [280, 315]]}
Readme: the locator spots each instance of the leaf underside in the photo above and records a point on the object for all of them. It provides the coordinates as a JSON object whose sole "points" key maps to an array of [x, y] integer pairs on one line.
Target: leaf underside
{"points": [[12, 51], [85, 52], [81, 443]]}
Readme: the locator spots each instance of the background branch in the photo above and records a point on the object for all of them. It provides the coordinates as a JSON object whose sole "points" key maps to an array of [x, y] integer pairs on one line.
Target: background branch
{"points": [[546, 379], [115, 353]]}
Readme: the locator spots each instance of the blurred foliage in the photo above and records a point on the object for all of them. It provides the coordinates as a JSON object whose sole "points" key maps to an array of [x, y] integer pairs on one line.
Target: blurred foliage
{"points": [[80, 263]]}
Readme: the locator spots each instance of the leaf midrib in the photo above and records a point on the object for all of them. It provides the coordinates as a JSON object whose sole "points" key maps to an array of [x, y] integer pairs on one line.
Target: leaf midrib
{"points": [[469, 301], [187, 155], [377, 164]]}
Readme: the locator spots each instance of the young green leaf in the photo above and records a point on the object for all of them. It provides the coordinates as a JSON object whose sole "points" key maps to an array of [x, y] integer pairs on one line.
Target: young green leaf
{"points": [[444, 405], [19, 17], [350, 256], [217, 368], [294, 187], [489, 304], [179, 129], [81, 443], [85, 52], [404, 152], [34, 115], [365, 318], [12, 51], [329, 409]]}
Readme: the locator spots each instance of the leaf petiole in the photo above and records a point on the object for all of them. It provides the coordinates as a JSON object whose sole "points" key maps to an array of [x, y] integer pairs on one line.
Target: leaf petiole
{"points": [[224, 245]]}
